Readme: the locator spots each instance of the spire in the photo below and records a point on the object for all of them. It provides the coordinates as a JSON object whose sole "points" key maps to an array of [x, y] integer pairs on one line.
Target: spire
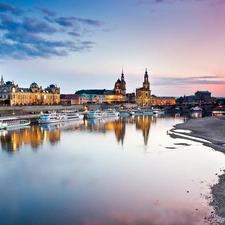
{"points": [[122, 75], [2, 80], [146, 76]]}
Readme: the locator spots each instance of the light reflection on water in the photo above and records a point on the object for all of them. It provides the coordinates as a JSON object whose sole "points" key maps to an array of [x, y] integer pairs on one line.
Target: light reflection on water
{"points": [[126, 171]]}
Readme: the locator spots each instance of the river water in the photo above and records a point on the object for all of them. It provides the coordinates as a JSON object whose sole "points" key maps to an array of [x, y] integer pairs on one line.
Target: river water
{"points": [[125, 171]]}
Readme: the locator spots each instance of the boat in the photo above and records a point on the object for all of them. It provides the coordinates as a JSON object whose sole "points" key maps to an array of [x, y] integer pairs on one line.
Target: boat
{"points": [[14, 122], [74, 115], [158, 111], [136, 112], [196, 109], [147, 112], [3, 125], [124, 113], [52, 117], [195, 112], [111, 113], [96, 114]]}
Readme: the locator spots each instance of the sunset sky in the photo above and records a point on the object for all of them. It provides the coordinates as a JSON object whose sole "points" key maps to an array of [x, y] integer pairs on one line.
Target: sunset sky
{"points": [[85, 44]]}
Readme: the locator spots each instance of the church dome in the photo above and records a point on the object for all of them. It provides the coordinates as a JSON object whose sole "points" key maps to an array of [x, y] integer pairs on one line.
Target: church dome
{"points": [[8, 83], [34, 85], [52, 86]]}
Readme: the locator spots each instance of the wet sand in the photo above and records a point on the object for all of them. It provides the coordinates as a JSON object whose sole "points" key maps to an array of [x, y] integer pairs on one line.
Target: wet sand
{"points": [[211, 129]]}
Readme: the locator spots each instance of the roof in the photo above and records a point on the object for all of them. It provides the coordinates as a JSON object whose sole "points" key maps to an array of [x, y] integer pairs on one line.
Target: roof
{"points": [[203, 92], [91, 91]]}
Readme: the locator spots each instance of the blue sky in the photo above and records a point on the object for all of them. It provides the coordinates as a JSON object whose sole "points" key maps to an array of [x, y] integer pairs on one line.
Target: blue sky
{"points": [[85, 44]]}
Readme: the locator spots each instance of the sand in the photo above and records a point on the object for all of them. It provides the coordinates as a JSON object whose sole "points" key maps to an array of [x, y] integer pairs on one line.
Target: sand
{"points": [[211, 129]]}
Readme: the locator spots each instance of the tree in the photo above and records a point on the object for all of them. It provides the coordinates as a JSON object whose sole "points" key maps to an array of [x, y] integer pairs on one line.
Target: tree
{"points": [[180, 100], [7, 102]]}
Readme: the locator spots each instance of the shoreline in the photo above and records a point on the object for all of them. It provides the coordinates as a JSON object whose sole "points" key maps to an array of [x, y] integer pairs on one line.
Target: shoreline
{"points": [[210, 131]]}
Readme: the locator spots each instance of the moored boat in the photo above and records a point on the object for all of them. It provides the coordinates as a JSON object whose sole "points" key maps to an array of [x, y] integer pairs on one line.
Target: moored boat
{"points": [[52, 117], [147, 112], [74, 115], [111, 113], [195, 109], [3, 125], [158, 111], [136, 112], [124, 113], [95, 114], [195, 112], [14, 122]]}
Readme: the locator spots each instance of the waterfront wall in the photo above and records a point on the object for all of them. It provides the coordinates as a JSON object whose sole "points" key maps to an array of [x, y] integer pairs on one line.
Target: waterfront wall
{"points": [[22, 110]]}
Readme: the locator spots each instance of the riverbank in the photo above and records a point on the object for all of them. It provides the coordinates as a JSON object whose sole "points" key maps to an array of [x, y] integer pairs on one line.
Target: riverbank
{"points": [[210, 131]]}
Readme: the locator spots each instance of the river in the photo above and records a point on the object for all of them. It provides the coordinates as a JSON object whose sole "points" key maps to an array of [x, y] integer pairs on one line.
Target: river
{"points": [[125, 171]]}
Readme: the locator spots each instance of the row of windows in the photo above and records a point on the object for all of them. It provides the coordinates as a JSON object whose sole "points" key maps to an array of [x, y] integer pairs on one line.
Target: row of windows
{"points": [[27, 96]]}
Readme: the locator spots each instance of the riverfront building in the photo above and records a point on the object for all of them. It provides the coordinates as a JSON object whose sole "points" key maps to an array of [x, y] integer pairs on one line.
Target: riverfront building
{"points": [[165, 101], [143, 94], [98, 96], [200, 97], [34, 95]]}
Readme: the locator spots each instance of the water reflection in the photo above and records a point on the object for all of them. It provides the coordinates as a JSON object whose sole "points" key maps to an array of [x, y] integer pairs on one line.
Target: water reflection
{"points": [[115, 171], [35, 135]]}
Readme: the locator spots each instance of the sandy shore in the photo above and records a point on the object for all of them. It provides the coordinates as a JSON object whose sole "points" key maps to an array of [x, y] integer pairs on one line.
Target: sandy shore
{"points": [[211, 129]]}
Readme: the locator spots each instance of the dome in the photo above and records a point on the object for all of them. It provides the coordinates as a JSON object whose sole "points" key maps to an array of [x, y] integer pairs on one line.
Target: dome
{"points": [[8, 83], [34, 85], [52, 86]]}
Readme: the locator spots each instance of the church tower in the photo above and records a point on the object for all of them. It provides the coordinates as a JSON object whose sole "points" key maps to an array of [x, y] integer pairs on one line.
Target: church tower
{"points": [[143, 94], [2, 81], [123, 84], [120, 86], [146, 84]]}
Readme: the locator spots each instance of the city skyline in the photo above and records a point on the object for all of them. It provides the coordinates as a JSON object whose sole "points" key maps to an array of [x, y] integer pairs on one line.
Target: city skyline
{"points": [[82, 45]]}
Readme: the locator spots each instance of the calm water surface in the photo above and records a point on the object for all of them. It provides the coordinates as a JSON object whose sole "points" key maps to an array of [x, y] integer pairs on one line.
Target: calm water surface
{"points": [[100, 172]]}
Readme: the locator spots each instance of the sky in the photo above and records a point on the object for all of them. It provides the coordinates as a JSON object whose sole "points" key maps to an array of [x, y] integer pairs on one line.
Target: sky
{"points": [[86, 44]]}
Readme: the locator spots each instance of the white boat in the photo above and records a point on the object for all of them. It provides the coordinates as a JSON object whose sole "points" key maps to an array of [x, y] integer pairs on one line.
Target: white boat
{"points": [[124, 113], [52, 117], [3, 125], [158, 111], [95, 114], [136, 112], [147, 112], [196, 109], [74, 115], [196, 112], [15, 122], [111, 113]]}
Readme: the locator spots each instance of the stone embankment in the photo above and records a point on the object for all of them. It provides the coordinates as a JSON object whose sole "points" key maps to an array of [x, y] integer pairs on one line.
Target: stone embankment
{"points": [[37, 109]]}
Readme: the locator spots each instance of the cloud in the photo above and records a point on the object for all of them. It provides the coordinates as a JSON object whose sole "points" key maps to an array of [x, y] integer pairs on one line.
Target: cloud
{"points": [[174, 81], [47, 12], [75, 34], [73, 21], [8, 8], [66, 21], [29, 37], [36, 26]]}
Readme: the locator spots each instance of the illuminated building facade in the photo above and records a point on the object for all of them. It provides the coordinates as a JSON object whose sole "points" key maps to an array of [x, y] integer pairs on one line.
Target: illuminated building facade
{"points": [[143, 94], [165, 101], [120, 86], [98, 96], [34, 95]]}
